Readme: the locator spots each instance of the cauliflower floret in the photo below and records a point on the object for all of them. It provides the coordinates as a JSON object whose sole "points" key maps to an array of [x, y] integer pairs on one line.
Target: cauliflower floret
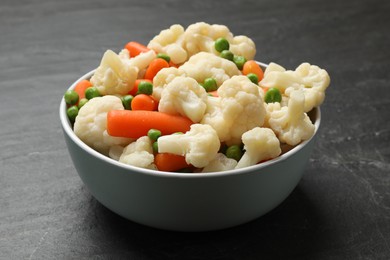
{"points": [[215, 118], [220, 163], [184, 96], [243, 46], [276, 76], [141, 61], [169, 41], [162, 78], [91, 123], [269, 109], [315, 82], [199, 145], [117, 72], [291, 123], [239, 109], [259, 144], [115, 152], [313, 76], [313, 96], [181, 44], [114, 75], [200, 37], [273, 67], [139, 154], [205, 65], [311, 79]]}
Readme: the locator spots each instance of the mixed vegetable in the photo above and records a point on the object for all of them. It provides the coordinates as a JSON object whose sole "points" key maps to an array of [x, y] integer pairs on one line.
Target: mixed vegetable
{"points": [[194, 100]]}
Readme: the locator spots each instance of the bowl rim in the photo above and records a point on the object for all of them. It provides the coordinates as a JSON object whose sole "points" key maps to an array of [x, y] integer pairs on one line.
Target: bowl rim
{"points": [[253, 168]]}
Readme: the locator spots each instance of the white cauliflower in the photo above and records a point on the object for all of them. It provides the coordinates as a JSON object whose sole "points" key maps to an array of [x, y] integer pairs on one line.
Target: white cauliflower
{"points": [[141, 61], [269, 109], [273, 67], [290, 123], [215, 118], [200, 37], [313, 96], [220, 163], [139, 154], [91, 123], [184, 96], [259, 144], [162, 78], [243, 46], [169, 41], [115, 152], [117, 73], [276, 76], [199, 145], [114, 75], [313, 76], [240, 108], [311, 79], [181, 44], [315, 82], [205, 65]]}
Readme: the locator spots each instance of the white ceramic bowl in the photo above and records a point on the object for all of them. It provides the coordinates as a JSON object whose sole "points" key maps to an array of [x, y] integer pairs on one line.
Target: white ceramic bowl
{"points": [[187, 201]]}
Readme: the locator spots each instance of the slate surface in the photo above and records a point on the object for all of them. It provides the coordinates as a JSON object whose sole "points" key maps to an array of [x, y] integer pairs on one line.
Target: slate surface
{"points": [[339, 210]]}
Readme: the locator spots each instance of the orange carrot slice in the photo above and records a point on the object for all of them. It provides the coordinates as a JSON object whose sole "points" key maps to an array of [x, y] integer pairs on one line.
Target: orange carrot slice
{"points": [[251, 66], [135, 48], [137, 123], [154, 67], [170, 162]]}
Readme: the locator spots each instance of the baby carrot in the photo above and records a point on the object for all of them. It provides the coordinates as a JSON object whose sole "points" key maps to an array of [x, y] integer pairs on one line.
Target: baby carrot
{"points": [[134, 124], [81, 87], [154, 67], [135, 48], [252, 67], [143, 102], [170, 162]]}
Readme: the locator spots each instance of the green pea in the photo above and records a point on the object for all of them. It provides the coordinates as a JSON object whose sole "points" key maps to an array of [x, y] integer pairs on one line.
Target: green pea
{"points": [[226, 54], [155, 147], [145, 87], [92, 92], [234, 152], [71, 97], [82, 102], [253, 77], [126, 101], [72, 113], [272, 95], [239, 61], [164, 56], [221, 44], [210, 84], [154, 134]]}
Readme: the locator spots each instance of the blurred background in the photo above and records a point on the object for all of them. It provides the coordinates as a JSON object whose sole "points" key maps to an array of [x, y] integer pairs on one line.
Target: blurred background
{"points": [[340, 209]]}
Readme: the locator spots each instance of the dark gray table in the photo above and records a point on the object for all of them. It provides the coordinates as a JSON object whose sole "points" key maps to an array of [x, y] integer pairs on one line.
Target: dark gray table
{"points": [[339, 210]]}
